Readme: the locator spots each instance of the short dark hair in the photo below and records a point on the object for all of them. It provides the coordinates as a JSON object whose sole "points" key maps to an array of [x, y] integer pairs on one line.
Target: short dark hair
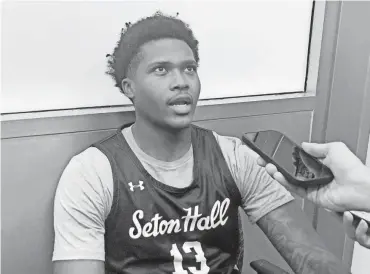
{"points": [[155, 27]]}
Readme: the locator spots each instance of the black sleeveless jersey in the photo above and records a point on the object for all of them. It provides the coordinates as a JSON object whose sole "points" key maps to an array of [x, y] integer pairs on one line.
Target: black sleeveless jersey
{"points": [[156, 228]]}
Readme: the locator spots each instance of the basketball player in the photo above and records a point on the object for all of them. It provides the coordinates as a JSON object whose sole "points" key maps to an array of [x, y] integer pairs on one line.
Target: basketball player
{"points": [[162, 195]]}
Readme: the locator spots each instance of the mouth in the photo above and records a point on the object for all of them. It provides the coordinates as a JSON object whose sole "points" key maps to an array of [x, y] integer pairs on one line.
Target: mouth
{"points": [[181, 105], [180, 101]]}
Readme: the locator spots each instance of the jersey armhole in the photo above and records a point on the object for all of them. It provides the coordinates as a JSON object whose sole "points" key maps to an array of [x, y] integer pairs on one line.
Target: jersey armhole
{"points": [[231, 185]]}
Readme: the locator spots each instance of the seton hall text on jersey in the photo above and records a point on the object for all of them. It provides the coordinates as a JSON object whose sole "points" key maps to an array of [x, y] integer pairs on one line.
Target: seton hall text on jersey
{"points": [[191, 221]]}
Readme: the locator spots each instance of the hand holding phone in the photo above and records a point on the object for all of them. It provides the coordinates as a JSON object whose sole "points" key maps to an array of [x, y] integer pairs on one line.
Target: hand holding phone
{"points": [[297, 166], [350, 190]]}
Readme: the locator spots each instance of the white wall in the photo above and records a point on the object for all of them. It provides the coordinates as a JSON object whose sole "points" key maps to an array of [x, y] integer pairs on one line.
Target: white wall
{"points": [[361, 255], [54, 52]]}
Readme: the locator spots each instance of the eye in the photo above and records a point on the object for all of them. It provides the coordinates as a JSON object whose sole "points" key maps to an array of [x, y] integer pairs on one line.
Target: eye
{"points": [[160, 70], [191, 69]]}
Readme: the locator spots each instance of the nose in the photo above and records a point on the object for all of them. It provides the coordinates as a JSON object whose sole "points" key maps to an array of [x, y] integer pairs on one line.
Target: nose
{"points": [[179, 81]]}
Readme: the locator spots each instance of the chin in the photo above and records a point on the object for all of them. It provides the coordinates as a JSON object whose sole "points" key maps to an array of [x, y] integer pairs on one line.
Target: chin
{"points": [[179, 123]]}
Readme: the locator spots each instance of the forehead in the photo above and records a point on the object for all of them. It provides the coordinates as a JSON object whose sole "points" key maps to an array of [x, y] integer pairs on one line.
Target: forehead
{"points": [[166, 50]]}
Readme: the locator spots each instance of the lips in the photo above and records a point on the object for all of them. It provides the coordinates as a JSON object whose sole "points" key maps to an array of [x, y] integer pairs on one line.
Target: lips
{"points": [[181, 100], [181, 105]]}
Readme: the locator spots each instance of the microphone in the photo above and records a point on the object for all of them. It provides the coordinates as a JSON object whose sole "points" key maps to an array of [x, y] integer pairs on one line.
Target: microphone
{"points": [[264, 267]]}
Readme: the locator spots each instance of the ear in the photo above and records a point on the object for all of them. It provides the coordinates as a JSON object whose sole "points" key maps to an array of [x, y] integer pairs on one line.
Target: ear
{"points": [[128, 87]]}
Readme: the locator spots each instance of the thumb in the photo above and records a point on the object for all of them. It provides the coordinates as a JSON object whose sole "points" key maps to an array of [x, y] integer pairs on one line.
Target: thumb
{"points": [[316, 150]]}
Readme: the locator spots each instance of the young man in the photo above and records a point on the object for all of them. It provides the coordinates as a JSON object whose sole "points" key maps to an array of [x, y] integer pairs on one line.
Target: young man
{"points": [[162, 195]]}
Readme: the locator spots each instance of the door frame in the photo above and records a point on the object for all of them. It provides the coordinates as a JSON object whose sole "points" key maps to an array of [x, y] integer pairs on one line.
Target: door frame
{"points": [[343, 112]]}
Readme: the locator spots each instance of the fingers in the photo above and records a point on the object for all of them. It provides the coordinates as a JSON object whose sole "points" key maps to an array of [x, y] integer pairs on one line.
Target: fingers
{"points": [[317, 150], [274, 173], [302, 192], [261, 162], [362, 235], [271, 169], [350, 229], [281, 179]]}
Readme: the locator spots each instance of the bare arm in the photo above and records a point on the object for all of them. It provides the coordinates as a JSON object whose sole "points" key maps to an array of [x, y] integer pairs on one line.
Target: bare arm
{"points": [[78, 267], [297, 242]]}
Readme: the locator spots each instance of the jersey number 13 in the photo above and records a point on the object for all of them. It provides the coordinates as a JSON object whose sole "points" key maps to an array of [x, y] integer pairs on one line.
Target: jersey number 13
{"points": [[199, 257]]}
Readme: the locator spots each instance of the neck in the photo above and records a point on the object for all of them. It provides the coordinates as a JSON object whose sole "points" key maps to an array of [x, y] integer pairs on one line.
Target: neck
{"points": [[160, 143]]}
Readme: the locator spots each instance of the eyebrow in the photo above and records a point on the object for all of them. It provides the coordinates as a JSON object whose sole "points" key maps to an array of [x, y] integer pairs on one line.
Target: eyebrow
{"points": [[168, 63]]}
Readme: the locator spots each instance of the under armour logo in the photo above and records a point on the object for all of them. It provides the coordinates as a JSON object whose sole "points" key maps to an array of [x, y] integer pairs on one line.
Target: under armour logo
{"points": [[140, 185]]}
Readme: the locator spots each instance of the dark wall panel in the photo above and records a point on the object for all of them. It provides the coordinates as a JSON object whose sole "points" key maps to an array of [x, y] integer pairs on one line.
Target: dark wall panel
{"points": [[31, 167]]}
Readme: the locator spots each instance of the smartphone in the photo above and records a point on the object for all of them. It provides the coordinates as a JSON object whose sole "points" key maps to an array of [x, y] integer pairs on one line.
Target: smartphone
{"points": [[297, 166]]}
